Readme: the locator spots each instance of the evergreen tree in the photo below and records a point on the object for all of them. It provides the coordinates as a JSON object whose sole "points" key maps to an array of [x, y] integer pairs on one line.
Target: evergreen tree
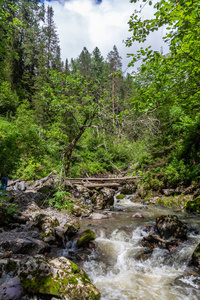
{"points": [[53, 60], [115, 64]]}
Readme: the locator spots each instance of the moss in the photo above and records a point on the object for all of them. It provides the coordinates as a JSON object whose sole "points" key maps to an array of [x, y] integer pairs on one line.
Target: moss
{"points": [[10, 266], [41, 285], [87, 236], [120, 196], [193, 206], [74, 267], [47, 233], [196, 256]]}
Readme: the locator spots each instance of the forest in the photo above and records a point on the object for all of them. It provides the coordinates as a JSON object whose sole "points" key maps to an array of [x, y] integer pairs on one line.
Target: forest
{"points": [[85, 116]]}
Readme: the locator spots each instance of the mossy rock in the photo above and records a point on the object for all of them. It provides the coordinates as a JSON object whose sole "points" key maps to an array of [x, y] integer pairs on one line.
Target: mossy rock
{"points": [[120, 196], [193, 206], [196, 256], [87, 236], [71, 230], [58, 277]]}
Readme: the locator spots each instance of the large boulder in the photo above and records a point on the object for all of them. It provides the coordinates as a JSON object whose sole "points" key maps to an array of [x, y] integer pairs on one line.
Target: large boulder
{"points": [[104, 199], [128, 189], [170, 227], [25, 245], [58, 277], [47, 225]]}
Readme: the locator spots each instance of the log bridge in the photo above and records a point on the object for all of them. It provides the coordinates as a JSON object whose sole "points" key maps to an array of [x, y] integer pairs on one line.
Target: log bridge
{"points": [[102, 182]]}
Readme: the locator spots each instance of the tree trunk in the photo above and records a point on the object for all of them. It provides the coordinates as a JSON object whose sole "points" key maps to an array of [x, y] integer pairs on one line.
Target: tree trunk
{"points": [[68, 153]]}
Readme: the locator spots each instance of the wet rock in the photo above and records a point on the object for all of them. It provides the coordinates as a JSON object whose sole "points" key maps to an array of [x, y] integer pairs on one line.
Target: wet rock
{"points": [[128, 189], [103, 199], [148, 228], [86, 237], [12, 290], [60, 234], [196, 256], [153, 241], [170, 227], [96, 216], [71, 230], [58, 277], [29, 246], [137, 216], [120, 196], [144, 254]]}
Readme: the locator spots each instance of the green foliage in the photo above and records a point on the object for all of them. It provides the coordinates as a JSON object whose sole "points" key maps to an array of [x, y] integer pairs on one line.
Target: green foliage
{"points": [[61, 201], [8, 99], [9, 209], [193, 206]]}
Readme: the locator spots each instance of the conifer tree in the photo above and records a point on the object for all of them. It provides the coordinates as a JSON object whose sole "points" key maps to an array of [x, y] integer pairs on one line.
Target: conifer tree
{"points": [[53, 60], [115, 64]]}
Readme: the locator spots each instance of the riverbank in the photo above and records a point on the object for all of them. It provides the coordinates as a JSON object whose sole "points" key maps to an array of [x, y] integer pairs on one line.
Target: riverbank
{"points": [[40, 225]]}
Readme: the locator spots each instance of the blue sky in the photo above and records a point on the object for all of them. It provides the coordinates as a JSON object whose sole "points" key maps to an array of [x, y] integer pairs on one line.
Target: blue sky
{"points": [[101, 23]]}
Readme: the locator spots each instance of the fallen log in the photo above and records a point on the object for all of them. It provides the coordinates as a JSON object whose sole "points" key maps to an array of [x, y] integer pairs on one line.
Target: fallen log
{"points": [[94, 185], [104, 179]]}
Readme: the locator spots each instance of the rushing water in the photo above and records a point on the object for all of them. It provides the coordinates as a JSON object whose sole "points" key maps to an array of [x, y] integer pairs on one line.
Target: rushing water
{"points": [[119, 275]]}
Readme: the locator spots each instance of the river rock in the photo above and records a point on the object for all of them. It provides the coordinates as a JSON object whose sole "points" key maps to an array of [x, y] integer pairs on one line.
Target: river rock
{"points": [[153, 241], [83, 191], [12, 290], [128, 189], [170, 227], [137, 215], [47, 224], [72, 229], [97, 216], [29, 246], [58, 277], [103, 199], [143, 254], [86, 236], [196, 256]]}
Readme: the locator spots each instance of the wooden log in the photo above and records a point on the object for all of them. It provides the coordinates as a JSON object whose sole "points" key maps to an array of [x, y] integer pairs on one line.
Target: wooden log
{"points": [[103, 179], [87, 185]]}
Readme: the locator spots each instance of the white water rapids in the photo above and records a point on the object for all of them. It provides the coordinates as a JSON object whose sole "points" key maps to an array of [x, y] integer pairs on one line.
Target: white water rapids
{"points": [[119, 275]]}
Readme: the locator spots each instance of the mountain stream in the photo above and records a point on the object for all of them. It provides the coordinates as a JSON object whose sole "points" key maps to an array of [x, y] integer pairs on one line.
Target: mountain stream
{"points": [[119, 275]]}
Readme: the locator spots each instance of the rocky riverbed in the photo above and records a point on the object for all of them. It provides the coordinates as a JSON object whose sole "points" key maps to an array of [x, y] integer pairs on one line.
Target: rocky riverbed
{"points": [[42, 249]]}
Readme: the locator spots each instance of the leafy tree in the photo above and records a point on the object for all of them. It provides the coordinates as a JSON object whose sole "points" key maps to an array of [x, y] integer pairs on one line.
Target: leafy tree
{"points": [[168, 84]]}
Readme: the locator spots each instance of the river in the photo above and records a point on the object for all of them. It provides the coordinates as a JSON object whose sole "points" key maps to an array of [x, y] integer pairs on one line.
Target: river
{"points": [[119, 275]]}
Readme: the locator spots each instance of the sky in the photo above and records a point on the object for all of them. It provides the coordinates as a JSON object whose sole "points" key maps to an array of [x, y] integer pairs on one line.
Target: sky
{"points": [[101, 23]]}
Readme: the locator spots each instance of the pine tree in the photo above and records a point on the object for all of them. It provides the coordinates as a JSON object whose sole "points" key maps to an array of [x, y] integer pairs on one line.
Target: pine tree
{"points": [[53, 60], [115, 63]]}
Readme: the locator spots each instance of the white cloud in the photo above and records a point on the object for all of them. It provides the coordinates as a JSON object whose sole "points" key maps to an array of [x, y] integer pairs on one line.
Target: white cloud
{"points": [[82, 23]]}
